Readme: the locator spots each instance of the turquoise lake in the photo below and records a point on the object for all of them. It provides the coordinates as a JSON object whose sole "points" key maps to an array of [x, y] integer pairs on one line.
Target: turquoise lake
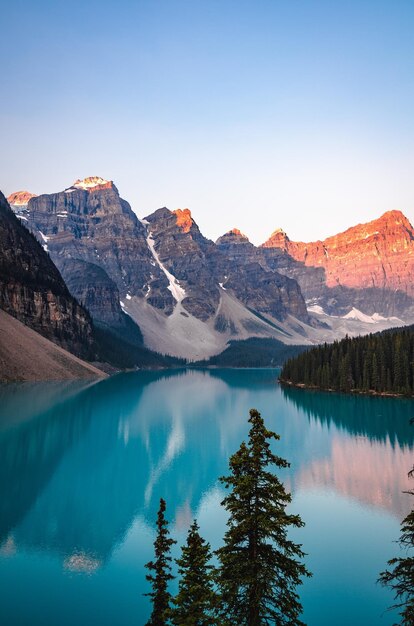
{"points": [[83, 467]]}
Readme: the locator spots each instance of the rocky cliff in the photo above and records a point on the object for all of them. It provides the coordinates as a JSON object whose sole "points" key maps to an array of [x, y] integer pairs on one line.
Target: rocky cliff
{"points": [[33, 291], [190, 296], [20, 199], [92, 223], [204, 269], [255, 282], [91, 285], [370, 265], [100, 246], [184, 254], [161, 265]]}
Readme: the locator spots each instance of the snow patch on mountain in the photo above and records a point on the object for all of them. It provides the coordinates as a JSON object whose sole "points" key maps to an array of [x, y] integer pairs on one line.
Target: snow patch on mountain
{"points": [[356, 314], [174, 286], [90, 183], [181, 334], [316, 308]]}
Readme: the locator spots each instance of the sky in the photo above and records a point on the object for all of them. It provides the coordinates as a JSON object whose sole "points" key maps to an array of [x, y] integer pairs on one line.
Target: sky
{"points": [[254, 114]]}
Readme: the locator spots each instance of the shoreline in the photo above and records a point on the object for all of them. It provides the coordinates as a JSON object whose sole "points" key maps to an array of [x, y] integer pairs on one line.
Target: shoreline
{"points": [[354, 392]]}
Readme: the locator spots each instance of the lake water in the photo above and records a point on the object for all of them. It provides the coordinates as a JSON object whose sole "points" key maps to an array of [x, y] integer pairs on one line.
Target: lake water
{"points": [[82, 469]]}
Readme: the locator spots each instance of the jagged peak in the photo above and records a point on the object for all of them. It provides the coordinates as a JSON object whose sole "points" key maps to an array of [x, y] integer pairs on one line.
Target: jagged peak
{"points": [[91, 183], [236, 231], [280, 232], [277, 239], [233, 236], [395, 216], [184, 219], [389, 219], [162, 213], [20, 198]]}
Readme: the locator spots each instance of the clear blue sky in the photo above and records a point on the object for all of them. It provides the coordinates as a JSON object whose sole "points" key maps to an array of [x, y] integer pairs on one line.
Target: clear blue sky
{"points": [[255, 114]]}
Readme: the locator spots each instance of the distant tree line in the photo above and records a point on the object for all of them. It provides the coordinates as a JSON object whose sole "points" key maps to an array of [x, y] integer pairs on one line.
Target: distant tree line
{"points": [[253, 352], [381, 363]]}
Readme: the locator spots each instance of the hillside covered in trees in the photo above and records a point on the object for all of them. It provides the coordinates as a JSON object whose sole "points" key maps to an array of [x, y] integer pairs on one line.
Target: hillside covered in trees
{"points": [[376, 363]]}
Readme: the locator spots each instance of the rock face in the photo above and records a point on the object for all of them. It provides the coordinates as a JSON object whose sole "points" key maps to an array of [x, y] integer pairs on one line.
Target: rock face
{"points": [[255, 282], [370, 265], [20, 198], [163, 259], [33, 291], [100, 246], [185, 256], [94, 224], [190, 296], [203, 269], [91, 285]]}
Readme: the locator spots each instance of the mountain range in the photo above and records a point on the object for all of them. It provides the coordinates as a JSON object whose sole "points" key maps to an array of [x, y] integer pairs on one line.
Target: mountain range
{"points": [[158, 283]]}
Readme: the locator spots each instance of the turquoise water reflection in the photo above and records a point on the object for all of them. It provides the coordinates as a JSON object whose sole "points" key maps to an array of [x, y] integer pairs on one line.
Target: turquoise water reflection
{"points": [[83, 468]]}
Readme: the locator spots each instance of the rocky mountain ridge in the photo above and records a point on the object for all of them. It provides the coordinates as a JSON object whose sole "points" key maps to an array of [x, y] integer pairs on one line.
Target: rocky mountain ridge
{"points": [[157, 268], [90, 223], [375, 254], [189, 295], [33, 291]]}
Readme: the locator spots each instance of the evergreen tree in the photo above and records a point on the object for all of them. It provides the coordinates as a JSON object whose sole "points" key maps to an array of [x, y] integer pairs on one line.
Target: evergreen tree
{"points": [[161, 567], [401, 577], [196, 600], [381, 363], [260, 567]]}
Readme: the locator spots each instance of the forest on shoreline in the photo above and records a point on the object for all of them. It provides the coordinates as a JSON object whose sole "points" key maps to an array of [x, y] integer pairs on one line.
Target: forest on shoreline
{"points": [[381, 364]]}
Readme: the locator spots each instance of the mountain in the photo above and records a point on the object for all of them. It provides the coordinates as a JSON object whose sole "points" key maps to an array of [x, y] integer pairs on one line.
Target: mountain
{"points": [[33, 291], [20, 199], [256, 283], [369, 266], [368, 255], [89, 222], [159, 283], [186, 294]]}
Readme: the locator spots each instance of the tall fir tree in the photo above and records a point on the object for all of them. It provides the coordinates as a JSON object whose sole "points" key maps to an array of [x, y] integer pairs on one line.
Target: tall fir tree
{"points": [[400, 578], [196, 601], [260, 567], [161, 568]]}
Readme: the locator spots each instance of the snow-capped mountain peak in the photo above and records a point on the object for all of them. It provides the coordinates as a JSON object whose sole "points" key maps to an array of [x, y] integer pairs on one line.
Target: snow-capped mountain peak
{"points": [[91, 182]]}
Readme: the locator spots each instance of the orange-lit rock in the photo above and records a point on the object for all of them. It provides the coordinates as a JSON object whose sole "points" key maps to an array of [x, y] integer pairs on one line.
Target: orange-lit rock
{"points": [[20, 198], [184, 219], [378, 254], [233, 236], [93, 183]]}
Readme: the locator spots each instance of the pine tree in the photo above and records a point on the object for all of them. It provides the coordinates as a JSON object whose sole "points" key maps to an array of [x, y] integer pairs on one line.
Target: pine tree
{"points": [[196, 600], [161, 567], [401, 577], [260, 567]]}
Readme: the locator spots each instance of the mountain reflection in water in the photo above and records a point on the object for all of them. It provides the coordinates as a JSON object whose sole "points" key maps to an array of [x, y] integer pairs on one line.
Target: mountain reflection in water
{"points": [[81, 466]]}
